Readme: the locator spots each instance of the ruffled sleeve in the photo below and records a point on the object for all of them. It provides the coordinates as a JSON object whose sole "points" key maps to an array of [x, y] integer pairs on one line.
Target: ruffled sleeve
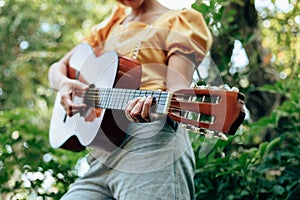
{"points": [[189, 34], [100, 32]]}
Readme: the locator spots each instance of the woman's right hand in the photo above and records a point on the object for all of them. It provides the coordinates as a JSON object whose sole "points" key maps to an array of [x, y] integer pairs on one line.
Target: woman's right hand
{"points": [[68, 89]]}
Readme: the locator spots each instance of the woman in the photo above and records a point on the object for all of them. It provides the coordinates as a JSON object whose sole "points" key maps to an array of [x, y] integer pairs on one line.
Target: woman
{"points": [[155, 160]]}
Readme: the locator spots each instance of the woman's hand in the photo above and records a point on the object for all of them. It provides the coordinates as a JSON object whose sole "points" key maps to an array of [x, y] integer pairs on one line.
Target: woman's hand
{"points": [[68, 89], [138, 109]]}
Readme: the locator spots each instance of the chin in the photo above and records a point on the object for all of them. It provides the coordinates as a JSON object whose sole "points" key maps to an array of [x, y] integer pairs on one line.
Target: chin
{"points": [[131, 3]]}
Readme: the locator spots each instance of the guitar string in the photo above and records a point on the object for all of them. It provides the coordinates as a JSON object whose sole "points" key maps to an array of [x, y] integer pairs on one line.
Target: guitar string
{"points": [[178, 109], [94, 95], [109, 94], [105, 96], [174, 107], [119, 102]]}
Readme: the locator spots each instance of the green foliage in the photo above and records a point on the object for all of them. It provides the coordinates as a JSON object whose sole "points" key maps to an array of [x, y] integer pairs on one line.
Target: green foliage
{"points": [[37, 33], [229, 20], [262, 160], [34, 34], [255, 164], [28, 165]]}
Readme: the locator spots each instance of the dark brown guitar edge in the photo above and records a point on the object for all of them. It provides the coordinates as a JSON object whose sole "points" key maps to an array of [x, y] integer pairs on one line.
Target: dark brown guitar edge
{"points": [[236, 124], [73, 144]]}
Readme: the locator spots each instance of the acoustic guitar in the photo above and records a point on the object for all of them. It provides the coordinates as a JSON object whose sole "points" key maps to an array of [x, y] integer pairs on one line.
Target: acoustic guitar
{"points": [[114, 81]]}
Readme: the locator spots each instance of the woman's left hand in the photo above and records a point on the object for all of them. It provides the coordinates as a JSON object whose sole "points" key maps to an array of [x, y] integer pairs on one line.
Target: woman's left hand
{"points": [[138, 109]]}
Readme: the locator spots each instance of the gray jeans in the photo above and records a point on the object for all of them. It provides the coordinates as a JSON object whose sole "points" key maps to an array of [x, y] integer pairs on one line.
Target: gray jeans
{"points": [[155, 161]]}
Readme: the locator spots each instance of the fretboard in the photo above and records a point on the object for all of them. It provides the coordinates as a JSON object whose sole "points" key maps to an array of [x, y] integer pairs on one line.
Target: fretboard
{"points": [[117, 98]]}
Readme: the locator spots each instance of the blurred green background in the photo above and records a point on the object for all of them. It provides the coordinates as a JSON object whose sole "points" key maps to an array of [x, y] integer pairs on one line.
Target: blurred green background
{"points": [[256, 48]]}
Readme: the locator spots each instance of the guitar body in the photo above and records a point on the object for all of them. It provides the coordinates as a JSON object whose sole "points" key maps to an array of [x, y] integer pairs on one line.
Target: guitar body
{"points": [[106, 71]]}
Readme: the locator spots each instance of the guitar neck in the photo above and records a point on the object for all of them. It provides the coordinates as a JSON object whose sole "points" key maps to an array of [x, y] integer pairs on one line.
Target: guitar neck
{"points": [[117, 98]]}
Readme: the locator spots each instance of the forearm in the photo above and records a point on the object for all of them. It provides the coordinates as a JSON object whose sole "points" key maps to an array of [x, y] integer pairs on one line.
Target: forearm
{"points": [[180, 72], [57, 75], [58, 72]]}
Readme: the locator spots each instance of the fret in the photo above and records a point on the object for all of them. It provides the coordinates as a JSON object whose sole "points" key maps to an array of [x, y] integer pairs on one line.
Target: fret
{"points": [[130, 95], [150, 93], [103, 98], [137, 94], [143, 93], [100, 99], [121, 95], [107, 95], [113, 99], [156, 95], [110, 99], [162, 102], [163, 98], [126, 98]]}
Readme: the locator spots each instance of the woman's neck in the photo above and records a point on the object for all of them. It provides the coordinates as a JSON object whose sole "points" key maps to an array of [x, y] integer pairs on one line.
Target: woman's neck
{"points": [[147, 6], [147, 12]]}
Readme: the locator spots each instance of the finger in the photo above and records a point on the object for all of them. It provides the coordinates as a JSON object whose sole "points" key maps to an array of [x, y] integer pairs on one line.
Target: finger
{"points": [[69, 107], [145, 114], [72, 86], [129, 117], [98, 111], [80, 85], [130, 105], [79, 88], [90, 115], [74, 109], [78, 106], [136, 110], [66, 102]]}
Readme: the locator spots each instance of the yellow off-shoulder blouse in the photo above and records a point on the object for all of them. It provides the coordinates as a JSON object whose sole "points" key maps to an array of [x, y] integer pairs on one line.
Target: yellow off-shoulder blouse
{"points": [[182, 31]]}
